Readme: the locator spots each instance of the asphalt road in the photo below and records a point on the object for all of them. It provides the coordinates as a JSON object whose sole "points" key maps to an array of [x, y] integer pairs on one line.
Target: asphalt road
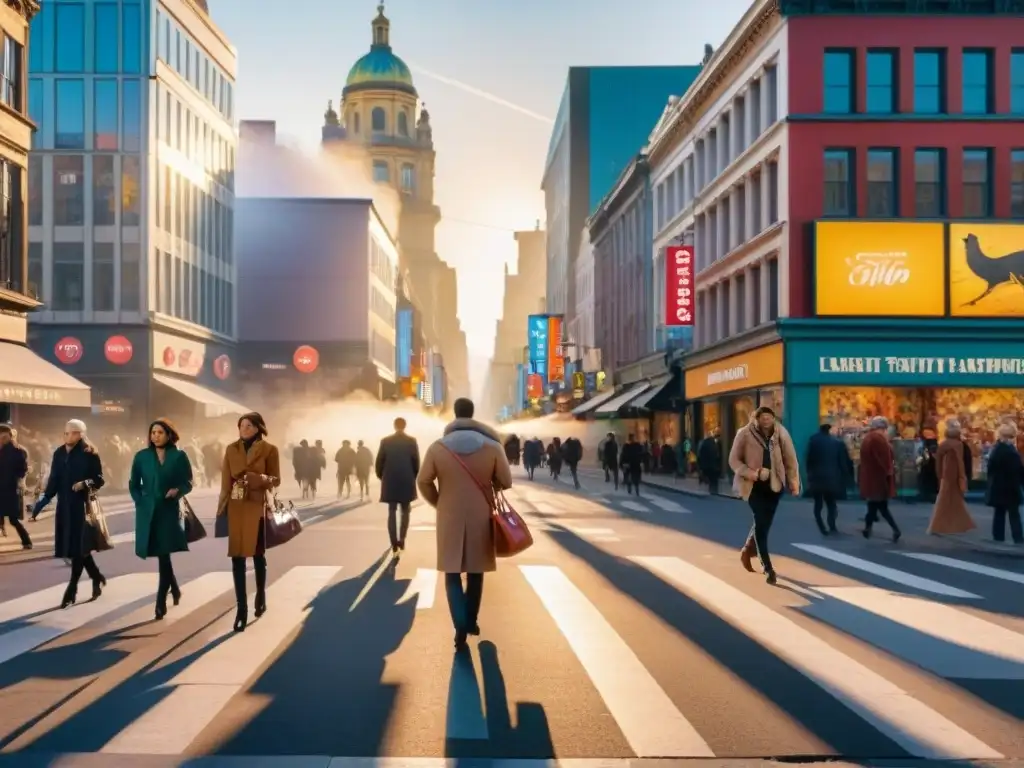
{"points": [[628, 631]]}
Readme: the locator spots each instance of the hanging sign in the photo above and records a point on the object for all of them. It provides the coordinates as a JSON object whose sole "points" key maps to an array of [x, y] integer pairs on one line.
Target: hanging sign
{"points": [[679, 285]]}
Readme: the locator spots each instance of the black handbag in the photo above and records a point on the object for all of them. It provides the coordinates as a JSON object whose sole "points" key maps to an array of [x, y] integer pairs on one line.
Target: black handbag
{"points": [[190, 523], [220, 526], [96, 536]]}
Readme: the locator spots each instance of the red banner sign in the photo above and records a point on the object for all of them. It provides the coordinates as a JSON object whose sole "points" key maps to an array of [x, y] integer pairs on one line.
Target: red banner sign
{"points": [[556, 358], [306, 359], [534, 386], [679, 281], [68, 350]]}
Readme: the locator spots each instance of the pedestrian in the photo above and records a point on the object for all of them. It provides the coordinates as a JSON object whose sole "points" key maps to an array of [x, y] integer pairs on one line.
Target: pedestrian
{"points": [[610, 459], [950, 515], [13, 470], [301, 464], [75, 472], [345, 458], [160, 479], [709, 460], [364, 465], [459, 475], [554, 454], [251, 468], [876, 477], [632, 460], [826, 466], [317, 464], [533, 449], [764, 461], [1005, 476], [398, 463], [572, 452]]}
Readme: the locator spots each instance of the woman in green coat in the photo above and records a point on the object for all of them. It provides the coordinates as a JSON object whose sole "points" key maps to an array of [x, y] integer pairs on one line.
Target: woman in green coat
{"points": [[161, 477]]}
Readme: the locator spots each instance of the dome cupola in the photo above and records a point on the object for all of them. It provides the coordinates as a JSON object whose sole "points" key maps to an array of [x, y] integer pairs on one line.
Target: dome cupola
{"points": [[380, 69]]}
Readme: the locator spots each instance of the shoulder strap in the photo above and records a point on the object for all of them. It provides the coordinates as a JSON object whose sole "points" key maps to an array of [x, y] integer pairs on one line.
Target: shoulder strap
{"points": [[483, 489]]}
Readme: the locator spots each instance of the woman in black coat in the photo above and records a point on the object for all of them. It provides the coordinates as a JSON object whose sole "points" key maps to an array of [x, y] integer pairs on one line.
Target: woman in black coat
{"points": [[74, 472], [1005, 475]]}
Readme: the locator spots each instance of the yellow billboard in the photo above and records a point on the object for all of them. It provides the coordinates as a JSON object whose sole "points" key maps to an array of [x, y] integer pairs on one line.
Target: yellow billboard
{"points": [[986, 270], [874, 268]]}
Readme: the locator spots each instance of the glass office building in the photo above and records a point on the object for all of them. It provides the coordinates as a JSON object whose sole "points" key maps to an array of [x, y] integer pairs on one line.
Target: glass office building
{"points": [[131, 175]]}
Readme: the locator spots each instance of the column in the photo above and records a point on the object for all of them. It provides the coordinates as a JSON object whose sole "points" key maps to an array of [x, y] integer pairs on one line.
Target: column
{"points": [[721, 235], [734, 217], [765, 195], [721, 329], [751, 224], [734, 300], [765, 83], [765, 293], [751, 128]]}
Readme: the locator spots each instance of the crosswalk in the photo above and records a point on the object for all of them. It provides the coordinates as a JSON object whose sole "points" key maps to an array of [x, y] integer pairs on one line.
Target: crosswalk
{"points": [[905, 615]]}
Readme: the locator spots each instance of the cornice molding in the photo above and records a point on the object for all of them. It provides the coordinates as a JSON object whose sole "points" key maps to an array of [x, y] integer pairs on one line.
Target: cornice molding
{"points": [[27, 8], [685, 121]]}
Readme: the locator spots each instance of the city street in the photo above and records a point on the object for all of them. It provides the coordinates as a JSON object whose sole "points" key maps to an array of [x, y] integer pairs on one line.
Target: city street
{"points": [[628, 631]]}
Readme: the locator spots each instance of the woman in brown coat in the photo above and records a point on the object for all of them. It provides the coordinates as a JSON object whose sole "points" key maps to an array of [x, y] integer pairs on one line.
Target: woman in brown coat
{"points": [[950, 514], [876, 477], [252, 466], [456, 477]]}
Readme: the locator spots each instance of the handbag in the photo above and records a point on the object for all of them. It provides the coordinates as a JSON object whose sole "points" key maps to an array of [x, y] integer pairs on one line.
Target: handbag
{"points": [[280, 525], [511, 534], [96, 534], [190, 523]]}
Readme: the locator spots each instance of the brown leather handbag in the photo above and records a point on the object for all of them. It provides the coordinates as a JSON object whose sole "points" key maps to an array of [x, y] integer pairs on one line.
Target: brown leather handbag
{"points": [[280, 525]]}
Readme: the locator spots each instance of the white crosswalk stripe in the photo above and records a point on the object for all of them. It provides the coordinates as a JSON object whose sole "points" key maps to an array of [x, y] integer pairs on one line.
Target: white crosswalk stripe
{"points": [[946, 641]]}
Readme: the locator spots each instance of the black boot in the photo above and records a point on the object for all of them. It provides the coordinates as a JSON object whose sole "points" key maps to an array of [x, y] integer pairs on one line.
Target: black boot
{"points": [[70, 595], [238, 575], [260, 603], [161, 595]]}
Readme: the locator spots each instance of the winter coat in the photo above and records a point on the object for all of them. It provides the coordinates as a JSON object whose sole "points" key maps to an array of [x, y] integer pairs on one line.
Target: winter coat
{"points": [[398, 463], [950, 514], [465, 532], [346, 461], [826, 464], [245, 516], [709, 458], [1005, 475], [158, 529], [876, 477], [80, 464], [532, 450], [632, 457], [13, 468], [747, 458], [610, 453], [364, 462], [572, 451]]}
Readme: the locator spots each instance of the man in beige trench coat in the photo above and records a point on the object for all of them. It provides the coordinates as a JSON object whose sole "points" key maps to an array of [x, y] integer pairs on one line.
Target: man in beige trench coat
{"points": [[458, 476]]}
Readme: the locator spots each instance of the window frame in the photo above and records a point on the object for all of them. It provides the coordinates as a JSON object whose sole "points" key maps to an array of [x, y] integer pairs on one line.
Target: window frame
{"points": [[988, 60], [849, 99], [849, 154], [1017, 183], [988, 194], [892, 54], [939, 184], [60, 45], [940, 87], [1017, 81], [893, 183]]}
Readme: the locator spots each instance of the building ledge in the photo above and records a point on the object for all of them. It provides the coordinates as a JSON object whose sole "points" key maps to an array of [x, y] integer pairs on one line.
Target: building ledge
{"points": [[898, 328], [17, 302], [903, 117], [753, 338]]}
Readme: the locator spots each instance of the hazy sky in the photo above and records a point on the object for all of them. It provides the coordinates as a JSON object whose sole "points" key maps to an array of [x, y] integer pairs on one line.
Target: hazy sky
{"points": [[490, 151]]}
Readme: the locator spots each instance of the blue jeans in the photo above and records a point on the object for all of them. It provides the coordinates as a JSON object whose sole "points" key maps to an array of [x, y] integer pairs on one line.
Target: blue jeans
{"points": [[464, 604]]}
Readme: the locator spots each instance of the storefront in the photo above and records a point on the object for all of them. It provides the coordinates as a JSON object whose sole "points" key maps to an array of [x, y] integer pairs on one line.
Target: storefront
{"points": [[725, 393], [916, 373]]}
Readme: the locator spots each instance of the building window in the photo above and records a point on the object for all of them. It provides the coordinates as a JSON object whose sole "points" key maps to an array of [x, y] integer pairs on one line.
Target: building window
{"points": [[68, 277], [10, 236], [408, 178], [70, 114], [882, 183], [103, 277], [35, 190], [1017, 183], [103, 194], [839, 96], [381, 173], [839, 197], [105, 37], [977, 83], [378, 120], [68, 191], [977, 189], [10, 76], [929, 82], [403, 124], [35, 110], [104, 115], [1017, 82], [131, 104], [70, 37], [35, 270], [881, 95], [929, 184], [773, 289], [131, 38]]}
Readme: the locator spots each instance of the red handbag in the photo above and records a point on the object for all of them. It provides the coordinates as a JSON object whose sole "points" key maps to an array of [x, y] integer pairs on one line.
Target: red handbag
{"points": [[511, 534]]}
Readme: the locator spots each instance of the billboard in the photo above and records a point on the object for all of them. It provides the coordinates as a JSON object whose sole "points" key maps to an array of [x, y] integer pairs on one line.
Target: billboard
{"points": [[403, 343], [876, 269], [679, 285], [556, 358], [986, 270], [534, 386], [537, 332]]}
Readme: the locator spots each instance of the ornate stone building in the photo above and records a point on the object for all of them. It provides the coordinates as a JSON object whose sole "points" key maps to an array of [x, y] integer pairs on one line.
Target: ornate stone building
{"points": [[383, 120]]}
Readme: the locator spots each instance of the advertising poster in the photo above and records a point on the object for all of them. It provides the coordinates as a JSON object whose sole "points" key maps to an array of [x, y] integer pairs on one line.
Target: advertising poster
{"points": [[556, 359], [579, 383], [880, 269], [679, 286], [986, 270], [403, 347], [534, 386], [537, 330]]}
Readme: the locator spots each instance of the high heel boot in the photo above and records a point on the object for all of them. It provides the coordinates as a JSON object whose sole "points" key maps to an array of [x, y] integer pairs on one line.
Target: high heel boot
{"points": [[260, 603], [238, 575], [161, 594], [69, 597]]}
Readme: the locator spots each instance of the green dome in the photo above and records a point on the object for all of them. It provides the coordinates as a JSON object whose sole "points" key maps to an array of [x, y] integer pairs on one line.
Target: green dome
{"points": [[380, 69]]}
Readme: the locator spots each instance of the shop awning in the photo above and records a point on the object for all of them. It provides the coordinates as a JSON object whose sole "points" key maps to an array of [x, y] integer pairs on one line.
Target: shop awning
{"points": [[657, 386], [214, 404], [608, 410], [593, 402], [27, 379]]}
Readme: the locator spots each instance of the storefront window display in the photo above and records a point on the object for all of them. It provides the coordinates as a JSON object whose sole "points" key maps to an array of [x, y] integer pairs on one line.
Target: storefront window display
{"points": [[712, 416], [910, 411], [666, 428], [743, 408], [771, 398]]}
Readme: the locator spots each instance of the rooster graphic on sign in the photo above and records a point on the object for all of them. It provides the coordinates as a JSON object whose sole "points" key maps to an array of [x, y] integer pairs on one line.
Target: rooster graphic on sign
{"points": [[996, 271]]}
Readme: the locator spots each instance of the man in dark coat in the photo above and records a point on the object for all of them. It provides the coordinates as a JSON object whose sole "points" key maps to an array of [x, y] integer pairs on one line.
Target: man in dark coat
{"points": [[533, 449], [13, 468], [572, 452], [829, 471], [610, 459], [709, 459], [398, 463], [632, 462], [75, 472]]}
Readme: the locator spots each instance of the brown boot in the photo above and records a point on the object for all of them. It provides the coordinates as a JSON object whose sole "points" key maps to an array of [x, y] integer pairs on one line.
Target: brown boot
{"points": [[747, 554]]}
